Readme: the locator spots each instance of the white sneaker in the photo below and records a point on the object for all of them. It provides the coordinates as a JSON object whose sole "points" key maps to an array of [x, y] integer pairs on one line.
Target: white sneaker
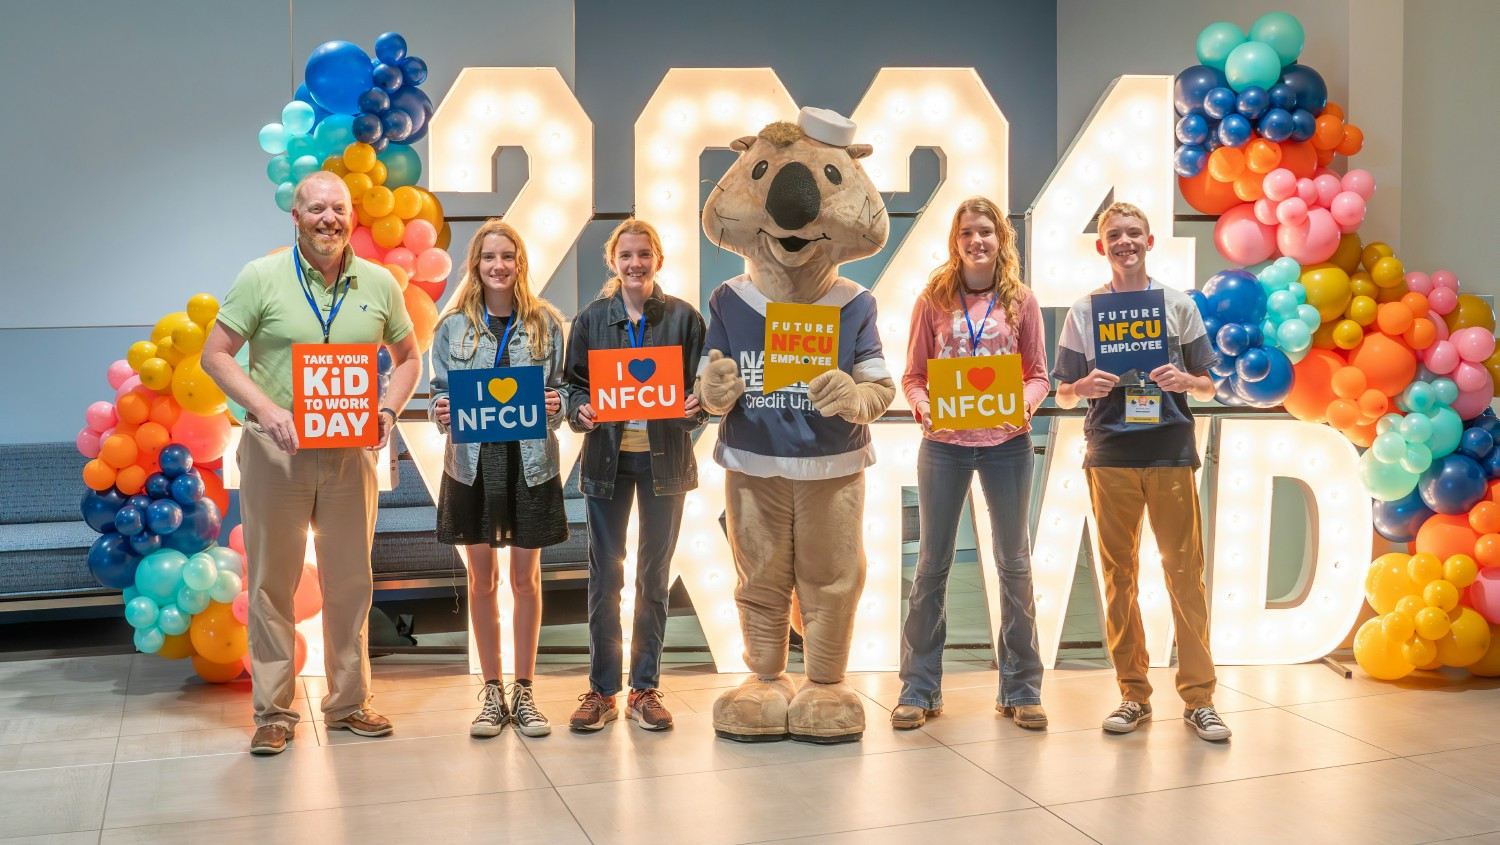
{"points": [[492, 712], [1127, 717], [529, 720], [1206, 721]]}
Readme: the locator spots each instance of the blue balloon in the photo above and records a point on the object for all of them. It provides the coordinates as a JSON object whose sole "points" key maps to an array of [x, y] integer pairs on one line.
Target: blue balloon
{"points": [[318, 111], [390, 47], [1235, 131], [99, 509], [1277, 125], [201, 522], [1283, 96], [1269, 390], [130, 521], [158, 486], [367, 128], [140, 500], [417, 107], [111, 561], [1219, 103], [387, 77], [187, 488], [413, 71], [380, 145], [145, 542], [1453, 484], [1476, 443], [1212, 324], [1254, 336], [395, 125], [1213, 142], [1304, 124], [175, 460], [337, 73], [1399, 521], [1192, 129], [1225, 393], [375, 100], [1224, 367], [1235, 296], [1189, 160], [1253, 365], [1199, 300], [1491, 464], [1232, 339], [164, 516], [1308, 85], [1252, 102]]}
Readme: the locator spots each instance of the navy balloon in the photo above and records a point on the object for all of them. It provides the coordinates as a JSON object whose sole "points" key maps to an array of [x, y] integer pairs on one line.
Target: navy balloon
{"points": [[367, 128], [413, 70], [1304, 124], [1252, 102], [1453, 484], [380, 145], [99, 509], [374, 101], [1254, 364], [1192, 129], [1399, 521], [1308, 85], [130, 521], [1189, 160], [187, 488], [1235, 131], [1270, 389], [145, 543], [395, 125], [1213, 142], [112, 563], [1277, 125], [1476, 443], [1219, 102], [337, 73], [417, 107], [1193, 84], [1491, 464], [175, 460], [201, 523], [141, 500], [158, 486], [390, 47], [164, 516], [1232, 339], [1235, 296], [1283, 96], [1224, 393], [387, 76]]}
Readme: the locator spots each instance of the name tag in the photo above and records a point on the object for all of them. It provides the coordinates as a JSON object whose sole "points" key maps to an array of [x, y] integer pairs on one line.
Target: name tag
{"points": [[1143, 405], [635, 425]]}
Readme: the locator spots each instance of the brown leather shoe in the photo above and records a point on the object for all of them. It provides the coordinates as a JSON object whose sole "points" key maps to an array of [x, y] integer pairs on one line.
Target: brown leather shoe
{"points": [[644, 706], [364, 722], [270, 739], [593, 712], [1026, 715], [908, 716]]}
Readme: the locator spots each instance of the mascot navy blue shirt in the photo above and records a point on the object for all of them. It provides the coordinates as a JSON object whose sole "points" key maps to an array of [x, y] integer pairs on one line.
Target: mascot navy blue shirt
{"points": [[781, 433]]}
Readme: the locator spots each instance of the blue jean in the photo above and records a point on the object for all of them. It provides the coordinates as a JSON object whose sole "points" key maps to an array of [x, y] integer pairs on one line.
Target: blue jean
{"points": [[660, 519], [944, 472]]}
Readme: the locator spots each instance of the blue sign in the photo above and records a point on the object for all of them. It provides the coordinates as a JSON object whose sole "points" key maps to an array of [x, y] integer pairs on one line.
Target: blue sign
{"points": [[497, 405], [1130, 331]]}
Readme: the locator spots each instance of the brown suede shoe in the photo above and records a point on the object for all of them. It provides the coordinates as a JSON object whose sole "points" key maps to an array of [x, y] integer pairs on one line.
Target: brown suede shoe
{"points": [[644, 706], [364, 722], [593, 712], [908, 716], [270, 739], [1026, 715]]}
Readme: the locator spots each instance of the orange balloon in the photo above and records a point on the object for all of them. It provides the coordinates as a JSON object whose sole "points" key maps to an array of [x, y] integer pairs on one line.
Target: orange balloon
{"points": [[132, 479], [98, 475], [1487, 550], [402, 277], [1343, 414], [1389, 364], [1325, 157], [1207, 194], [1248, 186], [217, 673], [1446, 535], [423, 313], [1349, 383], [1416, 302], [119, 450], [217, 635], [152, 438], [213, 489], [1334, 109], [1485, 517], [1373, 404], [164, 411], [1352, 142], [1422, 334], [1300, 157], [1226, 163], [1261, 156], [176, 647], [1329, 132], [1362, 436], [434, 290], [1312, 388], [133, 408], [1394, 318]]}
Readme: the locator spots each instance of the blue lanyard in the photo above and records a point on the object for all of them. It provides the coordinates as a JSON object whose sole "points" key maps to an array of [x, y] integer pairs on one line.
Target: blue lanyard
{"points": [[973, 335], [510, 323], [338, 300], [630, 327]]}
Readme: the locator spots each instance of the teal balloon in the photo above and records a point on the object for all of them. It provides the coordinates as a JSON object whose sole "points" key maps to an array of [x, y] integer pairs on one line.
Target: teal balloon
{"points": [[191, 600], [334, 134], [1268, 333], [403, 166], [304, 167], [1309, 315], [1288, 269], [172, 621], [149, 640], [1298, 291], [1293, 334], [1416, 428], [140, 612], [1445, 391], [1217, 41], [279, 169], [298, 117], [1383, 481], [200, 572], [129, 593], [1390, 448], [1418, 397], [160, 574], [1447, 430], [1283, 304], [226, 586], [1252, 65], [1417, 458], [273, 138], [1281, 32], [227, 559], [1295, 355], [1388, 422], [298, 146], [285, 193]]}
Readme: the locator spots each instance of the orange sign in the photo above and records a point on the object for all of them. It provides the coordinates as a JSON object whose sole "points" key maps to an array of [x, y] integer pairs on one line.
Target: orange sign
{"points": [[636, 384], [801, 342], [335, 394], [979, 392]]}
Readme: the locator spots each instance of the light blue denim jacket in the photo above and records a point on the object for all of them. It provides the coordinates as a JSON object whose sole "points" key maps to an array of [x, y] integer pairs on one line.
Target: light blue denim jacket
{"points": [[454, 348]]}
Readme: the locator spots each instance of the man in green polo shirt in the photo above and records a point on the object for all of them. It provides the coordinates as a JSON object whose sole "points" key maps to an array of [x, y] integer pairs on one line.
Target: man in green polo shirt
{"points": [[285, 298]]}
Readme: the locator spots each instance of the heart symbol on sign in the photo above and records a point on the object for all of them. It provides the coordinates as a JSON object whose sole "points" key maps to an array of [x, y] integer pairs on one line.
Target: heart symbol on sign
{"points": [[981, 377], [502, 389], [641, 369]]}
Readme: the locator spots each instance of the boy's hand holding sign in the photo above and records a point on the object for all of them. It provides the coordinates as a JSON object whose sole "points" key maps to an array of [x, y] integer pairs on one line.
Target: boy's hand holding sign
{"points": [[979, 392], [801, 342], [636, 384], [335, 395]]}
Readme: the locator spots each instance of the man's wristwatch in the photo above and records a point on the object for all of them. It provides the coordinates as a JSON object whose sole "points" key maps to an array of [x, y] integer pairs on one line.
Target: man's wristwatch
{"points": [[392, 412]]}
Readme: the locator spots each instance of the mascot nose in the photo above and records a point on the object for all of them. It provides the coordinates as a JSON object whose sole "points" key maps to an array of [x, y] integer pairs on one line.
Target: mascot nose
{"points": [[793, 200]]}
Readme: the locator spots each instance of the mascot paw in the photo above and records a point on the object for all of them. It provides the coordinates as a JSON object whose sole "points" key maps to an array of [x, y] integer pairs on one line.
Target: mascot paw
{"points": [[720, 386], [833, 393], [754, 711], [826, 714]]}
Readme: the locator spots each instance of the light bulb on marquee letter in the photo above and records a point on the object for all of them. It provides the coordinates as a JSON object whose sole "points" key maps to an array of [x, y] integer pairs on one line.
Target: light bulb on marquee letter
{"points": [[532, 108], [951, 110], [1123, 147]]}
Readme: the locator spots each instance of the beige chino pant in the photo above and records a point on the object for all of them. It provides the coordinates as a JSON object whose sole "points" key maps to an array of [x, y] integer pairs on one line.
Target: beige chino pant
{"points": [[1169, 496], [333, 492]]}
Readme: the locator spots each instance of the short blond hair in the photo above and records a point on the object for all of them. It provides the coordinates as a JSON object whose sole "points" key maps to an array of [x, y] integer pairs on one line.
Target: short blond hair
{"points": [[1123, 209]]}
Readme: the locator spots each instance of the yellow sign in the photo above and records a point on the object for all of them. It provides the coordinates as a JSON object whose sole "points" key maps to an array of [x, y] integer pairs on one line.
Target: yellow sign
{"points": [[979, 392], [801, 342]]}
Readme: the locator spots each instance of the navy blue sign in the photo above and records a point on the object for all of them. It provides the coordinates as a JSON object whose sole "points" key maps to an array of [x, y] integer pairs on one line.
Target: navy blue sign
{"points": [[1130, 331], [496, 405]]}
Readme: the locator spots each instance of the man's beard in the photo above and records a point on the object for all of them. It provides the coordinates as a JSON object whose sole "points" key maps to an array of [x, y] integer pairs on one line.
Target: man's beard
{"points": [[324, 245]]}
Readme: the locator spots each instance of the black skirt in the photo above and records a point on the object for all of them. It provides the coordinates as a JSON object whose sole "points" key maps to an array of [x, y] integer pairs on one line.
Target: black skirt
{"points": [[499, 509]]}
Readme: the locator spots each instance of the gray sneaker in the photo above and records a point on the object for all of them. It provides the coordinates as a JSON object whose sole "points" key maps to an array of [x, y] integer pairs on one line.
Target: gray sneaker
{"points": [[1127, 717], [1206, 721], [493, 713], [529, 720]]}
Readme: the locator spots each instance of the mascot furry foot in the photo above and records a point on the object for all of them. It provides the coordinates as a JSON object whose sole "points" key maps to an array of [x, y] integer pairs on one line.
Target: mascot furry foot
{"points": [[826, 714], [755, 711]]}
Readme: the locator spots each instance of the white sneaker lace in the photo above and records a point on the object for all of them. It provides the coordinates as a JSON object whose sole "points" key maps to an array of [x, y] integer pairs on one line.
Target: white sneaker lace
{"points": [[1207, 717], [1128, 711], [525, 710], [493, 704]]}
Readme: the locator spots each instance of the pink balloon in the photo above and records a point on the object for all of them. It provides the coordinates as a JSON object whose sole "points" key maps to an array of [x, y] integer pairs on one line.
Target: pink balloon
{"points": [[1328, 187], [205, 437], [1484, 594], [365, 246], [403, 258], [1470, 376], [1265, 211], [100, 416], [1445, 279], [1242, 239], [1279, 184], [1347, 208], [434, 265], [118, 373], [133, 385], [1442, 327], [1474, 344], [307, 602], [1361, 182], [420, 235], [1443, 299], [1308, 191], [1472, 403], [1441, 357], [1418, 282], [87, 442], [1291, 212], [1314, 242], [237, 542], [240, 607]]}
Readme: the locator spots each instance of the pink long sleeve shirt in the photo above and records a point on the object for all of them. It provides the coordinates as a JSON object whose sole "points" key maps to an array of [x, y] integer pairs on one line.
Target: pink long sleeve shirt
{"points": [[937, 333]]}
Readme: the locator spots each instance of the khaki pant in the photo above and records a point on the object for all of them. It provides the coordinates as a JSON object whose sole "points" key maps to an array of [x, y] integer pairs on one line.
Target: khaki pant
{"points": [[1169, 495], [332, 491], [807, 535]]}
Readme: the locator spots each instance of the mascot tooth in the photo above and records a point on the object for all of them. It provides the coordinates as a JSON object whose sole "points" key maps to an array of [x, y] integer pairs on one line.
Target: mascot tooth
{"points": [[796, 205]]}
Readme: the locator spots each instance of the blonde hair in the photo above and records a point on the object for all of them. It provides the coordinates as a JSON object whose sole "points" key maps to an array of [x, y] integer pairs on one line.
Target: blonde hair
{"points": [[943, 286], [633, 226], [1122, 209], [537, 314]]}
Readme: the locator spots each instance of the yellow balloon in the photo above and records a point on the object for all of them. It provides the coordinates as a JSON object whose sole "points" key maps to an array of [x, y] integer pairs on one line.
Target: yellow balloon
{"points": [[1410, 605], [1418, 652], [1373, 252], [1468, 640], [188, 338], [1424, 568], [1392, 293], [156, 374], [1398, 626], [1362, 309], [408, 202], [388, 231], [1460, 571], [140, 352], [432, 210], [1388, 272], [377, 172], [1327, 289], [1432, 623], [1441, 595], [358, 183], [1488, 666], [168, 351], [335, 165], [359, 158], [1471, 311], [1360, 284], [176, 647], [202, 309], [1346, 257], [195, 391], [1323, 337], [1377, 655], [378, 202], [1386, 582], [165, 325], [1492, 364], [1347, 334]]}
